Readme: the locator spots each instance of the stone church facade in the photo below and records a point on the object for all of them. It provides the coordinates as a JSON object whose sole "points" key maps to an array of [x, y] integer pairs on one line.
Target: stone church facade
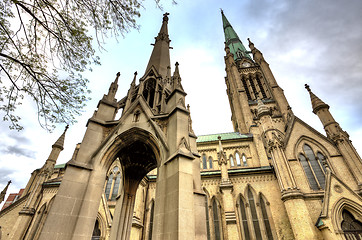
{"points": [[147, 176]]}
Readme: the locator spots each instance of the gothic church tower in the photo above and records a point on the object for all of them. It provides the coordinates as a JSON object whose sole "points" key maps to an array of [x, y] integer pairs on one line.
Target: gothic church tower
{"points": [[303, 159]]}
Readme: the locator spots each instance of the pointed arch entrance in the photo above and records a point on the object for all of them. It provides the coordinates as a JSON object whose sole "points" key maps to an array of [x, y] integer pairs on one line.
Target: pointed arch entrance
{"points": [[138, 152]]}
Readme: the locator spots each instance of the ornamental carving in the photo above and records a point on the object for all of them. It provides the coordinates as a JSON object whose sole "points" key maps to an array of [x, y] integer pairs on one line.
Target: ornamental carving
{"points": [[222, 158], [162, 124]]}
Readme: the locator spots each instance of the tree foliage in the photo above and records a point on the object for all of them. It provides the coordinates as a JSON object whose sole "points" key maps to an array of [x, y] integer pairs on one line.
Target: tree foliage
{"points": [[45, 45]]}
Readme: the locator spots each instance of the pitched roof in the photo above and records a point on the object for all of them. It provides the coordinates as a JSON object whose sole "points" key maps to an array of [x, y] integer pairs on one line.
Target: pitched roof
{"points": [[224, 136]]}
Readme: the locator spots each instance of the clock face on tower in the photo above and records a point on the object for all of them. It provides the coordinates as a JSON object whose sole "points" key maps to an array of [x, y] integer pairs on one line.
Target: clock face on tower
{"points": [[246, 64]]}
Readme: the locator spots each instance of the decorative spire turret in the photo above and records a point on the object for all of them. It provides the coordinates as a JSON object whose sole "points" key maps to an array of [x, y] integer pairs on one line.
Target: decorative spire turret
{"points": [[321, 109], [177, 78], [113, 89], [160, 57], [317, 103], [232, 40], [257, 55]]}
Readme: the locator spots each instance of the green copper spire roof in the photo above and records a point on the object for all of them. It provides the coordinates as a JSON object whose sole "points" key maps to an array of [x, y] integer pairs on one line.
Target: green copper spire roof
{"points": [[232, 40]]}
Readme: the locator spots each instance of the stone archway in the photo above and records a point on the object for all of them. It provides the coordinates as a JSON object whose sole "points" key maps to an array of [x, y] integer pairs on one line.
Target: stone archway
{"points": [[138, 153]]}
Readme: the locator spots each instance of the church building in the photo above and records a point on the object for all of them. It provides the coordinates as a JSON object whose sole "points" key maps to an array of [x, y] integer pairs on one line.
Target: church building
{"points": [[148, 176]]}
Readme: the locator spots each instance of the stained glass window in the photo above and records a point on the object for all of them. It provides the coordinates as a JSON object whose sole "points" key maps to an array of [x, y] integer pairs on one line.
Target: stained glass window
{"points": [[204, 162], [254, 215], [244, 219], [216, 220]]}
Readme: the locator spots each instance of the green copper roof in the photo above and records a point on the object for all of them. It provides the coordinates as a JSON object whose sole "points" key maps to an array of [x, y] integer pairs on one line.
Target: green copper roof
{"points": [[232, 40], [224, 136], [59, 166]]}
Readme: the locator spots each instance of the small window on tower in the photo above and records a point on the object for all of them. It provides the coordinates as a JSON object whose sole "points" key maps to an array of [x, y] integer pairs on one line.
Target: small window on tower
{"points": [[204, 162], [244, 160], [237, 156]]}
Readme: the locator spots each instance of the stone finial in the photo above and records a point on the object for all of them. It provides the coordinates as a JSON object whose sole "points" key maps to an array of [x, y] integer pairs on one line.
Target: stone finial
{"points": [[165, 17], [134, 79], [117, 77], [307, 87], [251, 44]]}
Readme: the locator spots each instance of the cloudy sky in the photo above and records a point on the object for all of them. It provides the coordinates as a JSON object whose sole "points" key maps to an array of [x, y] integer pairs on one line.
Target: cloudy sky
{"points": [[314, 42]]}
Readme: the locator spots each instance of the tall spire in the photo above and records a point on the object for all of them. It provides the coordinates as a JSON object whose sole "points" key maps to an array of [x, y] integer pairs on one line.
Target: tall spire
{"points": [[232, 40], [160, 57]]}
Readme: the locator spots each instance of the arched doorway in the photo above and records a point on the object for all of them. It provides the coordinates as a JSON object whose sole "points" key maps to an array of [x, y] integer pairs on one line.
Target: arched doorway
{"points": [[138, 153]]}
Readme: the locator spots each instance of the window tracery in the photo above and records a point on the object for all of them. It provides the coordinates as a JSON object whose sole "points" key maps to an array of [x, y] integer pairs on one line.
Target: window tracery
{"points": [[352, 228], [204, 161], [255, 222], [210, 162], [313, 167], [216, 220], [113, 184]]}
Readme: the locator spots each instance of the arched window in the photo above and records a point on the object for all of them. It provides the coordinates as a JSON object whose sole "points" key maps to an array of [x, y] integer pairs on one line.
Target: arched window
{"points": [[308, 172], [316, 166], [210, 162], [254, 215], [232, 164], [244, 160], [116, 187], [207, 218], [109, 185], [237, 156], [244, 220], [216, 220], [268, 230], [313, 168], [352, 228], [204, 162], [149, 91], [113, 184], [150, 226]]}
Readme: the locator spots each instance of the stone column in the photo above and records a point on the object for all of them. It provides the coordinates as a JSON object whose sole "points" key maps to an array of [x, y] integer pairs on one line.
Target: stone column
{"points": [[226, 189]]}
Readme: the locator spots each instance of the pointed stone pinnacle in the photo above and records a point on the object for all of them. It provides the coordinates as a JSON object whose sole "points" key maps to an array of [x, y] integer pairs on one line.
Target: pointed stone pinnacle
{"points": [[317, 103], [251, 44], [60, 142]]}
